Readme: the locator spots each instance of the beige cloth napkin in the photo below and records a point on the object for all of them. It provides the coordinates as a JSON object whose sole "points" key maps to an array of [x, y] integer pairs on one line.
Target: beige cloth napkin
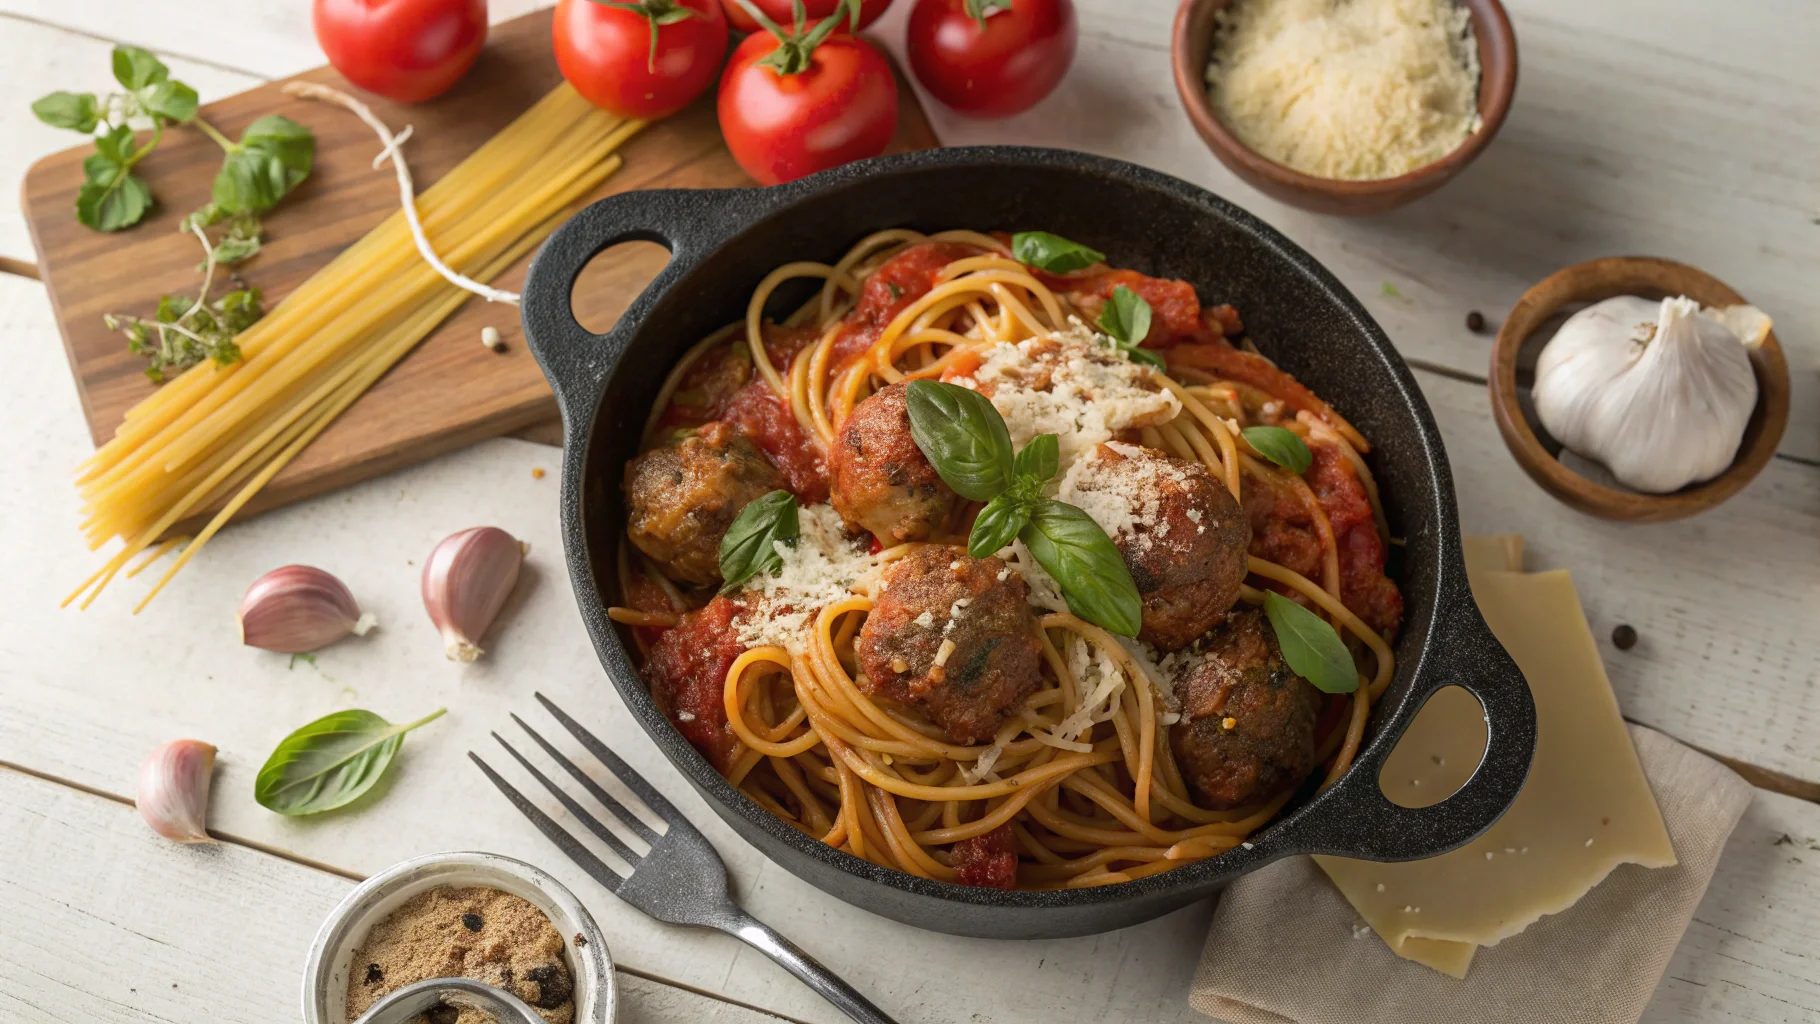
{"points": [[1287, 947]]}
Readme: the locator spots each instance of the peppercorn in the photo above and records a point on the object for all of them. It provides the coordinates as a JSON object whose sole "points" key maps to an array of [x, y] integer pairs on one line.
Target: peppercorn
{"points": [[553, 986], [374, 974], [1475, 321], [1624, 637], [472, 922]]}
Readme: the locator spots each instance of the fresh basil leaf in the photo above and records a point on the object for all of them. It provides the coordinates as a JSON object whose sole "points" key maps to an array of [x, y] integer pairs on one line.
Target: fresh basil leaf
{"points": [[749, 546], [76, 111], [330, 762], [1281, 446], [136, 68], [117, 147], [998, 524], [1053, 253], [170, 99], [1039, 460], [1126, 317], [1310, 646], [285, 139], [275, 155], [962, 435], [1085, 563], [1148, 357], [118, 204]]}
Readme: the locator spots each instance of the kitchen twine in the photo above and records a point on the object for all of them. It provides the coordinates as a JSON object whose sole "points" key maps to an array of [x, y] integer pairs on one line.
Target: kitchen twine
{"points": [[1283, 949]]}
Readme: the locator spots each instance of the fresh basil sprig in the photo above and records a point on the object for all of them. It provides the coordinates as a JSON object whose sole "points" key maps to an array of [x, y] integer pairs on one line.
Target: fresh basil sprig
{"points": [[272, 156], [1053, 253], [330, 762], [1310, 645], [963, 436], [749, 546], [965, 439], [1126, 320], [1281, 446]]}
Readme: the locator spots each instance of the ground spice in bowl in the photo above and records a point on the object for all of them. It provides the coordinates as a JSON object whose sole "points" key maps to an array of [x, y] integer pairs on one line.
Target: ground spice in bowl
{"points": [[464, 932]]}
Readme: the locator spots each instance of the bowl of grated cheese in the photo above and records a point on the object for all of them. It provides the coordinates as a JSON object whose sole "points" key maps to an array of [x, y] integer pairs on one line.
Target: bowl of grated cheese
{"points": [[1353, 108]]}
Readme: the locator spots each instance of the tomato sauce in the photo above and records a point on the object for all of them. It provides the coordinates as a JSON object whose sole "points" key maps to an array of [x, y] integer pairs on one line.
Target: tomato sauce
{"points": [[1283, 531], [897, 283], [687, 674], [988, 861], [1222, 359], [1175, 309]]}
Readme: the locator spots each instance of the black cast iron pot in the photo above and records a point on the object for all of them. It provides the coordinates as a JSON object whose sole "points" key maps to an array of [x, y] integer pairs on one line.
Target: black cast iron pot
{"points": [[723, 242]]}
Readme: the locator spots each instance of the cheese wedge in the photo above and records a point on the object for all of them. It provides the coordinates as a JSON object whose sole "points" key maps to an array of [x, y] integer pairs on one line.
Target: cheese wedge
{"points": [[1585, 809]]}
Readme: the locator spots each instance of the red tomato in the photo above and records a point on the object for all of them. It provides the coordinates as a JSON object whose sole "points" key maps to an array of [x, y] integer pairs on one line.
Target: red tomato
{"points": [[837, 103], [404, 50], [609, 56], [784, 13], [1000, 68]]}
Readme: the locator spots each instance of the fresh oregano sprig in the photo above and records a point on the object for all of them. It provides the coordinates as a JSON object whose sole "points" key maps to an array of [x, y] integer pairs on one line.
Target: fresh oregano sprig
{"points": [[185, 331], [966, 440], [272, 156]]}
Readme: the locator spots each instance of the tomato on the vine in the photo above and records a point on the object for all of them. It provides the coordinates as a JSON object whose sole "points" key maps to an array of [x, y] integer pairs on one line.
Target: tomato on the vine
{"points": [[793, 103], [991, 58], [644, 59], [783, 11], [404, 50]]}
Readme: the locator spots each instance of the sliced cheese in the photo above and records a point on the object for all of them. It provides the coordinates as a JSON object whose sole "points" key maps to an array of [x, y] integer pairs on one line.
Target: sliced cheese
{"points": [[1585, 809], [1502, 552]]}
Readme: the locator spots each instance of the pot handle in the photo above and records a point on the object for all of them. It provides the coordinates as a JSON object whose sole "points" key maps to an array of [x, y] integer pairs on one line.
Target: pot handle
{"points": [[690, 223], [1357, 820]]}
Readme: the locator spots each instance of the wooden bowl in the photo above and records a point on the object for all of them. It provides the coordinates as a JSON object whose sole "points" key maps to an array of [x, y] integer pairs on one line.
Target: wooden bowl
{"points": [[1193, 42], [1652, 279]]}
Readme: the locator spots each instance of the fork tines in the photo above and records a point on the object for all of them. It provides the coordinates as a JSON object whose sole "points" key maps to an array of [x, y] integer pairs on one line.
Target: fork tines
{"points": [[626, 817]]}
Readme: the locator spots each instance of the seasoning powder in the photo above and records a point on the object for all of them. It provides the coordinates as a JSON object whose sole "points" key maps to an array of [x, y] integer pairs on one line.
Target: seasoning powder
{"points": [[1347, 89], [472, 932]]}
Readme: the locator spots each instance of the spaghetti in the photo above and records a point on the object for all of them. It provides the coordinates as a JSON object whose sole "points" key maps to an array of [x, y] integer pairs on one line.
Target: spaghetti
{"points": [[210, 440], [1079, 785]]}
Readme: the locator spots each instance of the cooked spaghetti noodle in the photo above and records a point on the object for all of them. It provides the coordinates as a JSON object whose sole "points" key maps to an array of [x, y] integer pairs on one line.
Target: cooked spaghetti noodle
{"points": [[1079, 781]]}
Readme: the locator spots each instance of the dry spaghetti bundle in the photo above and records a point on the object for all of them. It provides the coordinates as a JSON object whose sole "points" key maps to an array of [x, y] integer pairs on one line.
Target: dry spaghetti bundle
{"points": [[211, 438]]}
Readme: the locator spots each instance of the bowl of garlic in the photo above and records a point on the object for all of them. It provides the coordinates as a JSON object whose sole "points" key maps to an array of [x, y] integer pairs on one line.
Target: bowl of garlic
{"points": [[1638, 389]]}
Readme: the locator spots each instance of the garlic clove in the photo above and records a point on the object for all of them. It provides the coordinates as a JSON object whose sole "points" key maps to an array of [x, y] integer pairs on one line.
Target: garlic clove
{"points": [[1749, 323], [172, 793], [299, 608], [466, 580]]}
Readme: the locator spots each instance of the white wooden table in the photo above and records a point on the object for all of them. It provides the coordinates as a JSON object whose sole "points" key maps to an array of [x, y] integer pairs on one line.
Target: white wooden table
{"points": [[1670, 127]]}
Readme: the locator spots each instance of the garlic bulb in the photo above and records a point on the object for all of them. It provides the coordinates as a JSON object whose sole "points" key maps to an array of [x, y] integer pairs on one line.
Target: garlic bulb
{"points": [[172, 793], [298, 608], [1658, 392], [466, 581]]}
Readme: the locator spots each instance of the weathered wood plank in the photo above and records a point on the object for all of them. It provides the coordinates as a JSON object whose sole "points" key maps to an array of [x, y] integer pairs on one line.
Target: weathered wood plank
{"points": [[107, 922]]}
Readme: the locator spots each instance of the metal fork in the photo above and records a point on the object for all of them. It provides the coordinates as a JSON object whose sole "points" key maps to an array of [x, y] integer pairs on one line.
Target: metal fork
{"points": [[681, 881]]}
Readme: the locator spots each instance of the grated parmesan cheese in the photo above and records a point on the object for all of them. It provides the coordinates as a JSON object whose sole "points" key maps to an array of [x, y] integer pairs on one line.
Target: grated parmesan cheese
{"points": [[1123, 496], [1354, 89], [1070, 385], [822, 567]]}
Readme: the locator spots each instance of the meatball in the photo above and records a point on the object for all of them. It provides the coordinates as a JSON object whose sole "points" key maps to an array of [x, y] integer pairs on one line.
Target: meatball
{"points": [[1181, 532], [681, 498], [952, 636], [1247, 727], [881, 479]]}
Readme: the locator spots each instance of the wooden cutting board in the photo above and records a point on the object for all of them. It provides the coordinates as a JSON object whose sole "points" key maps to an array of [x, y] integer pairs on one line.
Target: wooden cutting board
{"points": [[451, 390]]}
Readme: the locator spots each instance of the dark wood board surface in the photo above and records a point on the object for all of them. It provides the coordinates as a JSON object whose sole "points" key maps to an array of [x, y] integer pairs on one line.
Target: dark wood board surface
{"points": [[451, 390]]}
